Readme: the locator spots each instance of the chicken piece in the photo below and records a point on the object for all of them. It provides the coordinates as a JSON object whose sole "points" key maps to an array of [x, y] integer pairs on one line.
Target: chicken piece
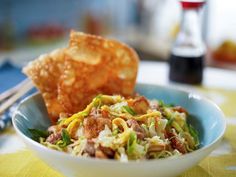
{"points": [[176, 143], [137, 128], [101, 122], [180, 109], [93, 126], [140, 105], [156, 147], [54, 137], [90, 128], [101, 155], [107, 151], [105, 113]]}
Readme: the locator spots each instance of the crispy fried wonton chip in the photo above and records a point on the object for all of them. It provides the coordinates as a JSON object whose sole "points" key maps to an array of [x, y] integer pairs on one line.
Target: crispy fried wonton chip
{"points": [[95, 65], [45, 73], [69, 78]]}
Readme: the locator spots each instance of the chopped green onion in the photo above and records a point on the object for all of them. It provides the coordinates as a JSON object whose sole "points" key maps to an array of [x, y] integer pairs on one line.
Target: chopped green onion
{"points": [[66, 137], [131, 141], [176, 126], [194, 134], [61, 144], [115, 131], [170, 105], [170, 121], [99, 96], [185, 127], [36, 134], [134, 149], [97, 101], [161, 103], [129, 110]]}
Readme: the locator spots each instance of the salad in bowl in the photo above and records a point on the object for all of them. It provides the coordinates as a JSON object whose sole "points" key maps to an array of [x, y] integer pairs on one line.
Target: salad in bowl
{"points": [[114, 127]]}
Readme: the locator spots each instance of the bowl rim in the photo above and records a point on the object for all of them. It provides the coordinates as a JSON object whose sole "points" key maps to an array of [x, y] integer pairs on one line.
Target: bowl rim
{"points": [[131, 162]]}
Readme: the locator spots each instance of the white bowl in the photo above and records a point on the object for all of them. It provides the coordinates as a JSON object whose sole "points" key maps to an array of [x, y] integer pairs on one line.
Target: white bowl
{"points": [[209, 121]]}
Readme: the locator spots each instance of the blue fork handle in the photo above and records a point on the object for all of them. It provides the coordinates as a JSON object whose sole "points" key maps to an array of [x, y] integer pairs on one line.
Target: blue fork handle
{"points": [[5, 122]]}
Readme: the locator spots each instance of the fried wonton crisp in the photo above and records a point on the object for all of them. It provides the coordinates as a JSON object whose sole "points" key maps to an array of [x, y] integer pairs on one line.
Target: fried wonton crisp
{"points": [[69, 78]]}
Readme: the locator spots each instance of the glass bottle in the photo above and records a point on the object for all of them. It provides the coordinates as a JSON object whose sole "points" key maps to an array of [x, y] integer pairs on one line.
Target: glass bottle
{"points": [[188, 51]]}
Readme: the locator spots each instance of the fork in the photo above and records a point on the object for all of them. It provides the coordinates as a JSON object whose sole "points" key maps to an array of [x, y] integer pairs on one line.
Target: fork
{"points": [[9, 97]]}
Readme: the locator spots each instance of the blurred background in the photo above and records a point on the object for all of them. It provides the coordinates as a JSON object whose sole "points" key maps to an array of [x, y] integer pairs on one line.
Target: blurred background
{"points": [[29, 28]]}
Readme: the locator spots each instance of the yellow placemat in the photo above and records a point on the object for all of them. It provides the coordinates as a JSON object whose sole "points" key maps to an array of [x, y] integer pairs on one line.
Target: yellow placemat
{"points": [[225, 99], [219, 166], [24, 164], [230, 135]]}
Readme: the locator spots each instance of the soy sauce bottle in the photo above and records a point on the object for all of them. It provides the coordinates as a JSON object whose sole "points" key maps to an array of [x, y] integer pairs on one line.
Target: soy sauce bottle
{"points": [[187, 54]]}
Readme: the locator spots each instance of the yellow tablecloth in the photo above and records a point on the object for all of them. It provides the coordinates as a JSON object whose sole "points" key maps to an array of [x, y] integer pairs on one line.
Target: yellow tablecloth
{"points": [[26, 164]]}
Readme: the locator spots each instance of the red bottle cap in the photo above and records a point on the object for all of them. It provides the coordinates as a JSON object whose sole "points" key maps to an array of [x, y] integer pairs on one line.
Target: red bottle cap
{"points": [[191, 4]]}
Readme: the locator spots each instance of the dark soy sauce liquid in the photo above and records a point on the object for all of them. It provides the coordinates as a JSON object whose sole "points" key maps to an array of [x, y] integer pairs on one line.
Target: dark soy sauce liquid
{"points": [[187, 70]]}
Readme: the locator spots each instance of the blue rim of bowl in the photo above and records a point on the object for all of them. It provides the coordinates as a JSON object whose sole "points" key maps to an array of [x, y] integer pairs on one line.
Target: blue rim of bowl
{"points": [[89, 159]]}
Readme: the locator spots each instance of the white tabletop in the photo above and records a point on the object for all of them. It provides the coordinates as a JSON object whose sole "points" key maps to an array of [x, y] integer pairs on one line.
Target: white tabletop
{"points": [[157, 73]]}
